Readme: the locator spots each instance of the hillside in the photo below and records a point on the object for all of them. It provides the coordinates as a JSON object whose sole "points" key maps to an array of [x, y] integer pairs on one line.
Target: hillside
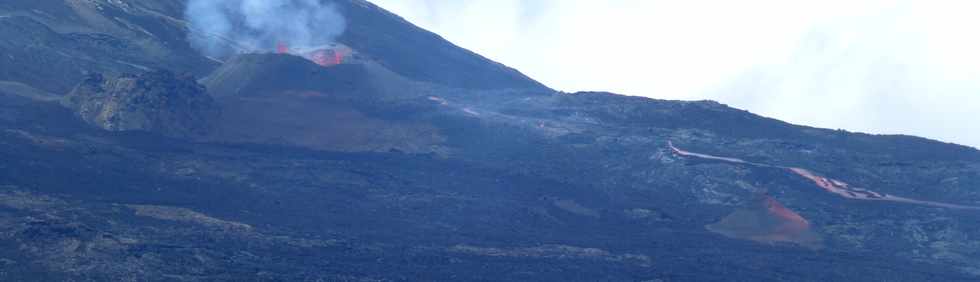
{"points": [[416, 160]]}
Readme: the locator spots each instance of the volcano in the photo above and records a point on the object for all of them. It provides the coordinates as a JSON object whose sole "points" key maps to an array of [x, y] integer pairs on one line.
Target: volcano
{"points": [[391, 154]]}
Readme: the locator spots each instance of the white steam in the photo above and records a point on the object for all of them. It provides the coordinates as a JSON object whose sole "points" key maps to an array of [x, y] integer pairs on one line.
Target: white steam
{"points": [[219, 28]]}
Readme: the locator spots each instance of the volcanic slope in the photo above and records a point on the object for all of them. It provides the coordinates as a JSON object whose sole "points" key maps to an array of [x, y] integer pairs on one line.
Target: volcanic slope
{"points": [[49, 45], [421, 161]]}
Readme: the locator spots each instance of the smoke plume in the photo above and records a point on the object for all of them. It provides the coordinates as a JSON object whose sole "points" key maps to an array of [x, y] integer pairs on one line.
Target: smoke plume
{"points": [[220, 28]]}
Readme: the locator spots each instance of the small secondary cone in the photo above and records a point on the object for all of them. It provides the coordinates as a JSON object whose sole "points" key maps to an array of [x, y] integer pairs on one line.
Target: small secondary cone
{"points": [[766, 220]]}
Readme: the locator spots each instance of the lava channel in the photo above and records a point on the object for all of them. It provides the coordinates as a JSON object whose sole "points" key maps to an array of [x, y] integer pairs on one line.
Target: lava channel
{"points": [[830, 185]]}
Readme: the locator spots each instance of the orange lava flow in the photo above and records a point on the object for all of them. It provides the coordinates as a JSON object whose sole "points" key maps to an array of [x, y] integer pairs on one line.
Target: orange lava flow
{"points": [[833, 186], [845, 190], [708, 157], [838, 187]]}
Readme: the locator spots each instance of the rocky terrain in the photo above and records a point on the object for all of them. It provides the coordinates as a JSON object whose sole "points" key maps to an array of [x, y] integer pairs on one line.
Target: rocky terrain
{"points": [[138, 159], [156, 101]]}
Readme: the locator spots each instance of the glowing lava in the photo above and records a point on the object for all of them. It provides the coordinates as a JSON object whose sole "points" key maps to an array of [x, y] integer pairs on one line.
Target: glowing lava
{"points": [[326, 55], [834, 186], [327, 58], [282, 48]]}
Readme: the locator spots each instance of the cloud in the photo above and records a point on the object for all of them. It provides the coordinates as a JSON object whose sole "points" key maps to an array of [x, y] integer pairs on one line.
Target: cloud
{"points": [[896, 67]]}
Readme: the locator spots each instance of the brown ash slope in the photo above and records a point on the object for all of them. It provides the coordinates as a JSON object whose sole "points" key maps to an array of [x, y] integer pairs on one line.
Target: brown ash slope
{"points": [[411, 165]]}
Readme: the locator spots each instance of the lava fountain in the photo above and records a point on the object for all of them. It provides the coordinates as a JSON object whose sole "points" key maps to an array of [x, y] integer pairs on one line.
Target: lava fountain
{"points": [[282, 48], [326, 55], [327, 58]]}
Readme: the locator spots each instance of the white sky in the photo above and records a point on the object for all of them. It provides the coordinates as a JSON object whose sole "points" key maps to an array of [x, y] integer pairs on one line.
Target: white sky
{"points": [[897, 67]]}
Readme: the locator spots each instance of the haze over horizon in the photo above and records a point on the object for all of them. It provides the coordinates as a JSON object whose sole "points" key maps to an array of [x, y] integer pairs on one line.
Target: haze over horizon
{"points": [[871, 66]]}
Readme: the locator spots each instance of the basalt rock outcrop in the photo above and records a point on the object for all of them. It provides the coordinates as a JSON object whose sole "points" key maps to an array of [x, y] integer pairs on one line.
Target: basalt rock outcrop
{"points": [[156, 101]]}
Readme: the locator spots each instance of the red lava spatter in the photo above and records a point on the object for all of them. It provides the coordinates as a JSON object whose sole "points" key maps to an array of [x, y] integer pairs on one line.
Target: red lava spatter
{"points": [[325, 57], [834, 186], [282, 48]]}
